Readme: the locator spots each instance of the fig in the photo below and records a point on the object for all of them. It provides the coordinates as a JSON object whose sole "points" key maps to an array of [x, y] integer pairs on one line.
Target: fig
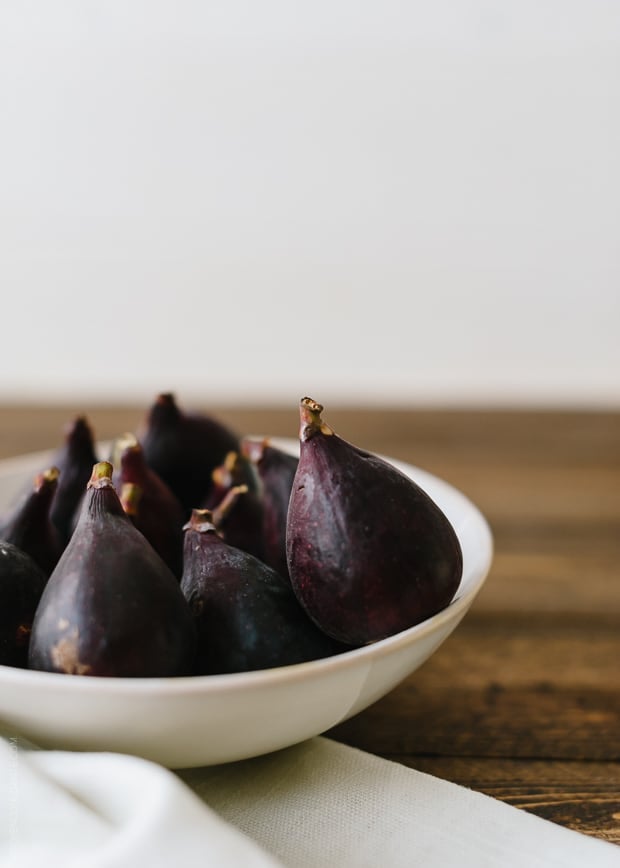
{"points": [[369, 552], [184, 448], [21, 585], [151, 505], [246, 615], [111, 607], [30, 528], [276, 471], [75, 460], [242, 525]]}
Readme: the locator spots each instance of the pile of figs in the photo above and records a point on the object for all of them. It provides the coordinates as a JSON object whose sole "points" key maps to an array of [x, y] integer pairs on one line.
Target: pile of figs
{"points": [[192, 552]]}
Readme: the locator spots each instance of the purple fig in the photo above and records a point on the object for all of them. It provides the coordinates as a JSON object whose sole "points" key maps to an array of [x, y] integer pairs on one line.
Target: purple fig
{"points": [[111, 607], [150, 503], [185, 448], [30, 527], [75, 460], [276, 471], [242, 526], [21, 586], [246, 615], [369, 553]]}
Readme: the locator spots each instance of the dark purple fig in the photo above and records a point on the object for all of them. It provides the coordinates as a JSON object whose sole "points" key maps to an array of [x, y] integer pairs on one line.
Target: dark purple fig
{"points": [[30, 528], [111, 607], [242, 526], [246, 615], [276, 471], [185, 448], [150, 503], [21, 586], [369, 553], [75, 460]]}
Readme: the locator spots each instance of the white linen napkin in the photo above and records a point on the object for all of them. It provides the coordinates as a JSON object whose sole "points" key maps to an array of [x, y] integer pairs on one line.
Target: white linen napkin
{"points": [[316, 805]]}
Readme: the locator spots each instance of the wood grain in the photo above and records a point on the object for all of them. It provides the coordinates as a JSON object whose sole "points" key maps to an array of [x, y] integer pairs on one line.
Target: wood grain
{"points": [[523, 701]]}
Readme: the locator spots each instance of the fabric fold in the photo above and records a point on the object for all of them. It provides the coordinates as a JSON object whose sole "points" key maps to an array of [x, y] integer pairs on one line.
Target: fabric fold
{"points": [[105, 810], [316, 805]]}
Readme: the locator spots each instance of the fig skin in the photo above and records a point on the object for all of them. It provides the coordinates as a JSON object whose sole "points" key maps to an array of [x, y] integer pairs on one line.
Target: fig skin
{"points": [[247, 617], [149, 502], [369, 553], [21, 585], [74, 460], [30, 527], [184, 449], [111, 607], [276, 470]]}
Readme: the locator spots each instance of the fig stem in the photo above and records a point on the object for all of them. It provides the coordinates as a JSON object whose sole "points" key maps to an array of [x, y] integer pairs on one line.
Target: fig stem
{"points": [[130, 498], [101, 476], [223, 475], [201, 520], [311, 422], [48, 477], [230, 498]]}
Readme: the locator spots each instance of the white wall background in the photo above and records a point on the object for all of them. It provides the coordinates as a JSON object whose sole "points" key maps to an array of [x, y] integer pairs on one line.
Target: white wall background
{"points": [[395, 201]]}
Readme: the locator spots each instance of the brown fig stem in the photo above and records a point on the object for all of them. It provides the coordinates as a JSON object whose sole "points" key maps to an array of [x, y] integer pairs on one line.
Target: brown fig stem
{"points": [[101, 476], [201, 520], [311, 422], [231, 497], [224, 474]]}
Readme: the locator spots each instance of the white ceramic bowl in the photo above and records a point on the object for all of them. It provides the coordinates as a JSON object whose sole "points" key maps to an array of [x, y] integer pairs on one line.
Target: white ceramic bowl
{"points": [[182, 722]]}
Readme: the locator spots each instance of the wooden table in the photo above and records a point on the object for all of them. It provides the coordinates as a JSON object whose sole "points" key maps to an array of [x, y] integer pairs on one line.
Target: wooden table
{"points": [[523, 701]]}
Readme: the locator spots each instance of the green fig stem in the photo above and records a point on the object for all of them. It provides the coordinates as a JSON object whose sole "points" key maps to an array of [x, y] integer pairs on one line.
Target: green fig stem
{"points": [[201, 520], [311, 422], [130, 497], [101, 476]]}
